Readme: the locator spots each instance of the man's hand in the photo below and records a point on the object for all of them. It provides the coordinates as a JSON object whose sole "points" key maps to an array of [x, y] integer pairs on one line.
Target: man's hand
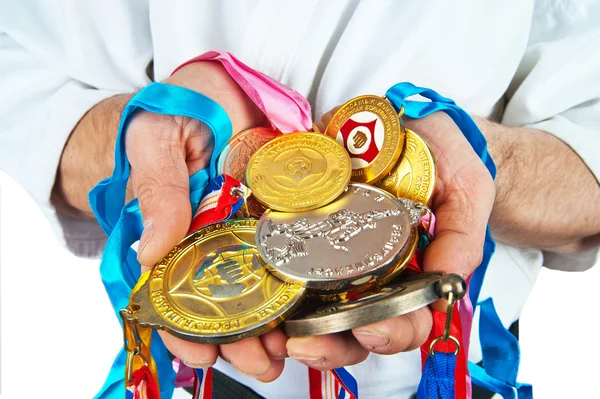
{"points": [[163, 152], [462, 202]]}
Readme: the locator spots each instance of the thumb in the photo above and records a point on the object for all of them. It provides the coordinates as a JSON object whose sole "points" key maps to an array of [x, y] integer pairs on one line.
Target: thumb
{"points": [[160, 181]]}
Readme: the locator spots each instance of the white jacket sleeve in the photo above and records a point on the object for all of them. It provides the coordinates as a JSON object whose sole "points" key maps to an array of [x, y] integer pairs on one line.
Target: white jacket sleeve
{"points": [[557, 90], [50, 76]]}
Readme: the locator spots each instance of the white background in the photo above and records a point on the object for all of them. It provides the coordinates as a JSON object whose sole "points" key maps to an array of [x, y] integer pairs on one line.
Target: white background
{"points": [[59, 335]]}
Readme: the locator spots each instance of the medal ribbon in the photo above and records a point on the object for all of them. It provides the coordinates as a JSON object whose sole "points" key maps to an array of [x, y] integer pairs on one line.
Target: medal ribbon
{"points": [[224, 196], [286, 109], [504, 350], [143, 382], [122, 223]]}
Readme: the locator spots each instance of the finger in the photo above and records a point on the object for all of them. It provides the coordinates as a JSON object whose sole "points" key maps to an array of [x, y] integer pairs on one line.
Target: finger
{"points": [[274, 371], [247, 356], [325, 352], [160, 181], [324, 121], [274, 344], [462, 201], [398, 334], [193, 354]]}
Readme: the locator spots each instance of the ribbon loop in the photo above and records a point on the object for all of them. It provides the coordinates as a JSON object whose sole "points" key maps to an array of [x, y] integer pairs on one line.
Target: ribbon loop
{"points": [[119, 267]]}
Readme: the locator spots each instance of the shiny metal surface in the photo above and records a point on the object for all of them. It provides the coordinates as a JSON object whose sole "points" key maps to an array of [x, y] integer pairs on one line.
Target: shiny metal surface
{"points": [[346, 244], [399, 297], [211, 289]]}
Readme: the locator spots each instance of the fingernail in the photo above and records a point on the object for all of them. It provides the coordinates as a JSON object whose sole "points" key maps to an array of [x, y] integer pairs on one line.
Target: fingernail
{"points": [[146, 236], [196, 365], [370, 339], [309, 360], [250, 374]]}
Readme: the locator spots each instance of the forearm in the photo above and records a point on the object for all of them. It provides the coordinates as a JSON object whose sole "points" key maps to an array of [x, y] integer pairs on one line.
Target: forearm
{"points": [[89, 153], [546, 197]]}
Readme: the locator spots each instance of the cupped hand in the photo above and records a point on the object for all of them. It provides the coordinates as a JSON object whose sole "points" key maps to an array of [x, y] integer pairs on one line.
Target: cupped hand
{"points": [[163, 152], [462, 202]]}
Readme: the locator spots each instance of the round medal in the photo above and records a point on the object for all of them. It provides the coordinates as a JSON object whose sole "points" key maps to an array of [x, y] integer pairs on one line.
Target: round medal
{"points": [[349, 243], [234, 158], [211, 289], [399, 297], [298, 172], [413, 177], [236, 154], [368, 128]]}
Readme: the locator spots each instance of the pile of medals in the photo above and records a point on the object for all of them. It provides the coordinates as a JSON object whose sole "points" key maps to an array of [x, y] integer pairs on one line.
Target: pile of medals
{"points": [[333, 220]]}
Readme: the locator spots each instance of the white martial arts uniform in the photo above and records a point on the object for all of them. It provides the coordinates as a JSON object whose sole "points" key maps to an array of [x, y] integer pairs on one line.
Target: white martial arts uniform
{"points": [[520, 63]]}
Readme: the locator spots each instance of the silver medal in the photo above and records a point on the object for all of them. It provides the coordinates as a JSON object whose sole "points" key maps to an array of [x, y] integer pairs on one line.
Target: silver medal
{"points": [[399, 297], [353, 241]]}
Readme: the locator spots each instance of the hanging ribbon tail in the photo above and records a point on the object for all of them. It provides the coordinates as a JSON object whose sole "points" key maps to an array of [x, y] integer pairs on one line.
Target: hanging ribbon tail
{"points": [[348, 385], [203, 385], [286, 109], [185, 376], [438, 377], [142, 385], [501, 357]]}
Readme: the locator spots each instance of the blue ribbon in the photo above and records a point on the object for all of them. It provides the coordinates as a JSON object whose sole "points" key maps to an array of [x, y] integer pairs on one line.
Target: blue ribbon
{"points": [[438, 377], [349, 382], [122, 223], [398, 95], [501, 357]]}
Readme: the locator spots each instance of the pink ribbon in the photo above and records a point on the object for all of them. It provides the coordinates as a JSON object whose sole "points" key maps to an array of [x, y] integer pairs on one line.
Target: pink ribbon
{"points": [[286, 109], [185, 375]]}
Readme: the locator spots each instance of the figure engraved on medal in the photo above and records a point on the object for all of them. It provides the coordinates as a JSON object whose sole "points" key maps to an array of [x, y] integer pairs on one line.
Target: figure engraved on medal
{"points": [[338, 228], [369, 129], [221, 274], [363, 237], [298, 172]]}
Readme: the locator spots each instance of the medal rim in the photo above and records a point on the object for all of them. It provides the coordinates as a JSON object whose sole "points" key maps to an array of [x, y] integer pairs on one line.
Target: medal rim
{"points": [[398, 304], [369, 176]]}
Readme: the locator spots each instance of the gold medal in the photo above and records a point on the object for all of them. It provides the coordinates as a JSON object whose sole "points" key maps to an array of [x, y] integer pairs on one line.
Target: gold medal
{"points": [[368, 128], [413, 177], [210, 288], [298, 172]]}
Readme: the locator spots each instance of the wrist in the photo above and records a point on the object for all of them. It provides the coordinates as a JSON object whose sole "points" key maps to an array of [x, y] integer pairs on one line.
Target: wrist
{"points": [[87, 157], [212, 80]]}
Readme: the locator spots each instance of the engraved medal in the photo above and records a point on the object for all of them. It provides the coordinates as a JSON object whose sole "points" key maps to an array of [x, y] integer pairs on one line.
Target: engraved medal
{"points": [[365, 236], [298, 172], [368, 128], [211, 289], [234, 159], [399, 297]]}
